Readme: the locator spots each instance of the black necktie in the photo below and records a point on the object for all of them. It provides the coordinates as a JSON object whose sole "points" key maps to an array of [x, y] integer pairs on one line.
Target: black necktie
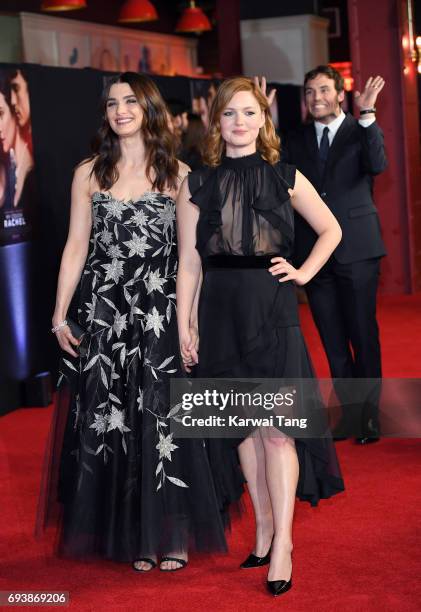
{"points": [[324, 150]]}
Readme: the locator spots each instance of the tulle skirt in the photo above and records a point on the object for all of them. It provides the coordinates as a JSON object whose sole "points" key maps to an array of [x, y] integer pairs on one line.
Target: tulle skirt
{"points": [[116, 482]]}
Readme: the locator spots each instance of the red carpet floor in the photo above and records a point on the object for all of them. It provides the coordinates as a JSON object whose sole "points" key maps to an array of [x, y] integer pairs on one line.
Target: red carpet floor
{"points": [[360, 551]]}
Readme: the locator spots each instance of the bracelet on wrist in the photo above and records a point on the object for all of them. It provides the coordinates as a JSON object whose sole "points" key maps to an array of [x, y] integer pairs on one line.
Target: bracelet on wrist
{"points": [[368, 111], [57, 328]]}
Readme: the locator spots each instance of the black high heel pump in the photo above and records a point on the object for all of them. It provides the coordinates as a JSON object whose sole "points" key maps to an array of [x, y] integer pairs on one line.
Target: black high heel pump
{"points": [[255, 561], [279, 587]]}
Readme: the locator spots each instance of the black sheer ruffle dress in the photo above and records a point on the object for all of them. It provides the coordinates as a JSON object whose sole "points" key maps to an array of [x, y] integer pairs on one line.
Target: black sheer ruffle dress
{"points": [[248, 321], [117, 482]]}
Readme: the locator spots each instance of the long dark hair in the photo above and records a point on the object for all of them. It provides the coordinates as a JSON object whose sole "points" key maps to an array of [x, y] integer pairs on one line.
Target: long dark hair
{"points": [[160, 144]]}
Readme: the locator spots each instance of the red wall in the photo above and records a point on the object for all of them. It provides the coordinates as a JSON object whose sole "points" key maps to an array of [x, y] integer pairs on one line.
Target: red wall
{"points": [[229, 41], [376, 30]]}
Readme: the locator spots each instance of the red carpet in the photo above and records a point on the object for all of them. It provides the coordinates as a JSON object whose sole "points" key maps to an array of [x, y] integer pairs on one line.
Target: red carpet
{"points": [[357, 552]]}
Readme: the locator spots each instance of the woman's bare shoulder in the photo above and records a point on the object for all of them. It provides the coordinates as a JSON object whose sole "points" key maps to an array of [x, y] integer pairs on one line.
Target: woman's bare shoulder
{"points": [[85, 167], [83, 174]]}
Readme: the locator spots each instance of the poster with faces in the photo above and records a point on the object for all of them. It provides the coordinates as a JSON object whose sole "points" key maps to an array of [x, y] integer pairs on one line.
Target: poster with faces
{"points": [[17, 180]]}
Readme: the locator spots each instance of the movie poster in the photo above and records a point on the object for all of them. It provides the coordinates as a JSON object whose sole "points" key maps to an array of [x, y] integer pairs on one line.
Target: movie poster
{"points": [[17, 177]]}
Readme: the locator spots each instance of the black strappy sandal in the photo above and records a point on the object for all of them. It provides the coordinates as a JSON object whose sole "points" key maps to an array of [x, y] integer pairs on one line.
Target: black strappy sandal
{"points": [[182, 563], [151, 562]]}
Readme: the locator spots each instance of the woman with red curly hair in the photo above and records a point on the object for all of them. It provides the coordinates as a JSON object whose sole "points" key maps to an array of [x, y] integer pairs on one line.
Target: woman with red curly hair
{"points": [[235, 221]]}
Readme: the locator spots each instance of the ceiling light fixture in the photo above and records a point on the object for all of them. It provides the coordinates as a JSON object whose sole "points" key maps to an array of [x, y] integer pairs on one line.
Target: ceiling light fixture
{"points": [[193, 19], [62, 5], [137, 11]]}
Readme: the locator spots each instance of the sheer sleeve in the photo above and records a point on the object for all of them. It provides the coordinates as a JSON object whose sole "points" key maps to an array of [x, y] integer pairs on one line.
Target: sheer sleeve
{"points": [[286, 173], [196, 179], [193, 179], [204, 192]]}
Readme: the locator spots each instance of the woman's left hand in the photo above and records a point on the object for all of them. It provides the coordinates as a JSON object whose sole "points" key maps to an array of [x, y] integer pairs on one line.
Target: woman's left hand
{"points": [[282, 266]]}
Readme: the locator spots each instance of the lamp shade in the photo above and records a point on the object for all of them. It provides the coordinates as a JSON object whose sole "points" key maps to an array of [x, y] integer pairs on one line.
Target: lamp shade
{"points": [[136, 11], [193, 19], [63, 5]]}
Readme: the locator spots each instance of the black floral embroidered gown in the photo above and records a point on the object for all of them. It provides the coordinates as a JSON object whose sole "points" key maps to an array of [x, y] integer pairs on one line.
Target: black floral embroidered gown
{"points": [[123, 486], [248, 322]]}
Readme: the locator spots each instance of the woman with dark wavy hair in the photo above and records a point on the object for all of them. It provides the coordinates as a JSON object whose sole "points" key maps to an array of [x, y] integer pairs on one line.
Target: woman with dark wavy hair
{"points": [[127, 490], [235, 220]]}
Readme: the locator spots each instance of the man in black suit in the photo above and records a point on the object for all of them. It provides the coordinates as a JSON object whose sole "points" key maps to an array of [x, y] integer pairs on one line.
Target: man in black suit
{"points": [[341, 155]]}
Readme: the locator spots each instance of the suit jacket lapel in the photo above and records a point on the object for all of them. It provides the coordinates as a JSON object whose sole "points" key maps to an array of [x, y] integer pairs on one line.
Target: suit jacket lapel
{"points": [[340, 139], [336, 147]]}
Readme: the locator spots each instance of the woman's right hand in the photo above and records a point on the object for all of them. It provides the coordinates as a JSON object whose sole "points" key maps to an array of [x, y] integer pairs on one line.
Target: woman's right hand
{"points": [[66, 339]]}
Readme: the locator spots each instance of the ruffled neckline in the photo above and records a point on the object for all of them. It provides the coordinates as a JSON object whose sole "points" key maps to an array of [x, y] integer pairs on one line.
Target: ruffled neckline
{"points": [[240, 163]]}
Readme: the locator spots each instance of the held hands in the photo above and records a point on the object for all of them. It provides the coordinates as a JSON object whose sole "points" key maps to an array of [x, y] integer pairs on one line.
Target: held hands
{"points": [[367, 99], [189, 348], [262, 86], [283, 267], [66, 339]]}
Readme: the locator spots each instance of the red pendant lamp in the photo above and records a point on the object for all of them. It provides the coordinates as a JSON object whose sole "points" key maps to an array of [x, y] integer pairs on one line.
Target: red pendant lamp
{"points": [[63, 5], [193, 19], [136, 11]]}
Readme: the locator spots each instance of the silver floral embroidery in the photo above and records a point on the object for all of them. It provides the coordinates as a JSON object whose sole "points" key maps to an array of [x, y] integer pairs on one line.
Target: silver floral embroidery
{"points": [[114, 251], [139, 219], [166, 216], [100, 424], [105, 237], [90, 308], [116, 421], [115, 208], [165, 446], [114, 270], [154, 321], [119, 323], [137, 246], [150, 196], [129, 288], [155, 282], [140, 400]]}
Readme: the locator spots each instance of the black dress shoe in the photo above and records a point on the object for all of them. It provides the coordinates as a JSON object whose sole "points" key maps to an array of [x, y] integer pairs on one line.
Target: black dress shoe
{"points": [[370, 433], [367, 440], [254, 561], [278, 587]]}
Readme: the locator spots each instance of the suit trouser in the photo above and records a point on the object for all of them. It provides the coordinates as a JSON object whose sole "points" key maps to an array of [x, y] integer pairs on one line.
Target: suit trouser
{"points": [[342, 299]]}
